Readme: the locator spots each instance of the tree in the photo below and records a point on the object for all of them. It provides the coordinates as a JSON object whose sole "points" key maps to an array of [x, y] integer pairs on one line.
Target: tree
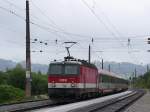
{"points": [[143, 81], [3, 78], [39, 84], [39, 72], [16, 77]]}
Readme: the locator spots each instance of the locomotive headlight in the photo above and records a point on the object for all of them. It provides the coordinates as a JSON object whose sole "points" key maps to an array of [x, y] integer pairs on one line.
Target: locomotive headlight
{"points": [[73, 85], [53, 84]]}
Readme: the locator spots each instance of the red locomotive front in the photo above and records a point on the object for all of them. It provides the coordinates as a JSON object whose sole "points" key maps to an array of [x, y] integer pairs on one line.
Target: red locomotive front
{"points": [[72, 78]]}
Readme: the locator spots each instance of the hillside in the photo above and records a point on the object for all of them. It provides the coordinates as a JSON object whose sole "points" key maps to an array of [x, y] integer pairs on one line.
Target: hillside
{"points": [[121, 68], [8, 64]]}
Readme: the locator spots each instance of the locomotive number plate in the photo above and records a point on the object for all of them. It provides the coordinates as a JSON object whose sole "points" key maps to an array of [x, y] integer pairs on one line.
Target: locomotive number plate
{"points": [[63, 80]]}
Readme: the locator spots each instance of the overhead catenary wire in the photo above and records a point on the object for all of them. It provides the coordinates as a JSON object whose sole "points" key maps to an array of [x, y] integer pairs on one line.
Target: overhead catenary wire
{"points": [[101, 21], [12, 12], [67, 33], [55, 31], [113, 26], [58, 29], [21, 17], [14, 5], [50, 21], [40, 26]]}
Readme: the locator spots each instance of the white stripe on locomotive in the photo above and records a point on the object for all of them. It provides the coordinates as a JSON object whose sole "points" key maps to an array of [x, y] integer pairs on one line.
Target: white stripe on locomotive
{"points": [[69, 85]]}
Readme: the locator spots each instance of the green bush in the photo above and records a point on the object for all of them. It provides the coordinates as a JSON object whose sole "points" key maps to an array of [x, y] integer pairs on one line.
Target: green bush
{"points": [[39, 84], [9, 93], [3, 78], [16, 77], [143, 81]]}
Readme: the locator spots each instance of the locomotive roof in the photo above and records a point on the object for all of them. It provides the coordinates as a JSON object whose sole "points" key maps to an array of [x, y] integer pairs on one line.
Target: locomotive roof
{"points": [[105, 72], [80, 62], [72, 60], [63, 62]]}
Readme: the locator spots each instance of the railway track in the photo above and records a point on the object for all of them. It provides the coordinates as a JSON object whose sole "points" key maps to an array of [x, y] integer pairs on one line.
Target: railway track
{"points": [[24, 105], [113, 105], [31, 105]]}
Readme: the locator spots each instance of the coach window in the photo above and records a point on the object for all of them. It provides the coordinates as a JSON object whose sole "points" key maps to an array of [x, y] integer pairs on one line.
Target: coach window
{"points": [[103, 78], [117, 80], [111, 79]]}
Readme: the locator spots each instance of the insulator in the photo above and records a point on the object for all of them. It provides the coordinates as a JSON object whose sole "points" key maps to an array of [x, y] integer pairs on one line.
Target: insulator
{"points": [[35, 39]]}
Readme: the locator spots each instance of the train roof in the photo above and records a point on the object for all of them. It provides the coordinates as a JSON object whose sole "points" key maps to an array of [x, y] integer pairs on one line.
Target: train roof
{"points": [[63, 62], [105, 72], [71, 60], [75, 62]]}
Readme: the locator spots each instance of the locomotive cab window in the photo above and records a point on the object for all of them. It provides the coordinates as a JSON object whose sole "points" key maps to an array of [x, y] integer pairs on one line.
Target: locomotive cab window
{"points": [[63, 69], [55, 69], [71, 69]]}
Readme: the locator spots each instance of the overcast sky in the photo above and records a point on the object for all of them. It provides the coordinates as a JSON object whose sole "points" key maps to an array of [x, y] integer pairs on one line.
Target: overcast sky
{"points": [[109, 22]]}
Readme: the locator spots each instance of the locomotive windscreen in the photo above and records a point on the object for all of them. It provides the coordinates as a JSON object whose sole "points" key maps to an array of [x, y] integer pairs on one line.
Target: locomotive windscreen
{"points": [[65, 69], [71, 69], [55, 69]]}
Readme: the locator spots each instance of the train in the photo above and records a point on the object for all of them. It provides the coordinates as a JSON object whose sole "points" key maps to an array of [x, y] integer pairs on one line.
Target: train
{"points": [[75, 78]]}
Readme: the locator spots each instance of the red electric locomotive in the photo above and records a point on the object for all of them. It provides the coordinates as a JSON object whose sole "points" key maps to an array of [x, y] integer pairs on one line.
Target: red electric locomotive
{"points": [[72, 78]]}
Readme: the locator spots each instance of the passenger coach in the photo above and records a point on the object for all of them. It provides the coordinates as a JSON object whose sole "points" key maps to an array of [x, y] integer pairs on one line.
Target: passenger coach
{"points": [[111, 82]]}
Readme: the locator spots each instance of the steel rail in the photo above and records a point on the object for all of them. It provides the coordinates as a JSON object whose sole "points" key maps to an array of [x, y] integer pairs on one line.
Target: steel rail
{"points": [[113, 105]]}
